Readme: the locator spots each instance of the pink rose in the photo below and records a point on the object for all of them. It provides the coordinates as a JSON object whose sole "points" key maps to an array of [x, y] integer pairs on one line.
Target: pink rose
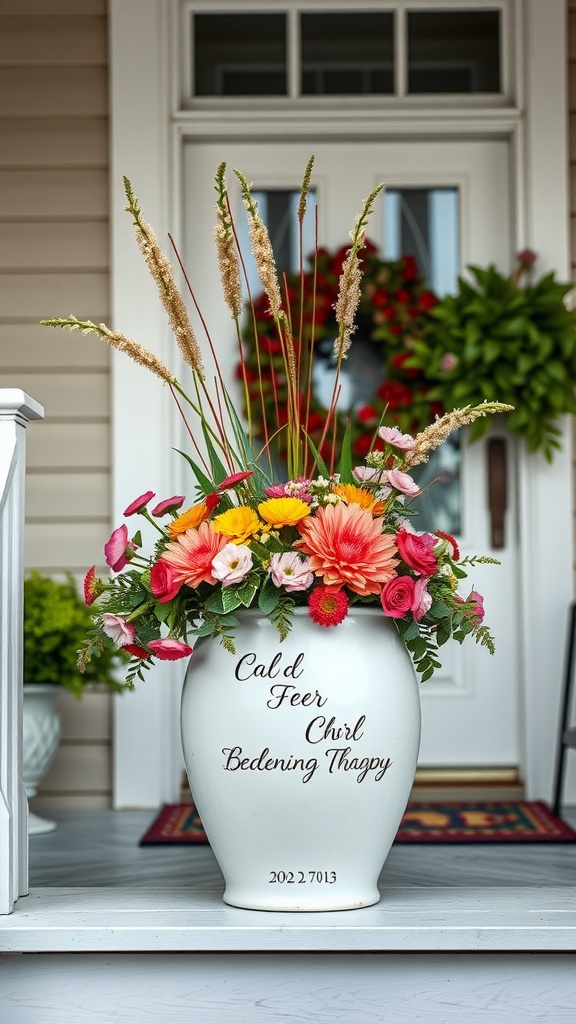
{"points": [[119, 631], [417, 551], [162, 582], [118, 549], [169, 650], [139, 503], [397, 596], [422, 602]]}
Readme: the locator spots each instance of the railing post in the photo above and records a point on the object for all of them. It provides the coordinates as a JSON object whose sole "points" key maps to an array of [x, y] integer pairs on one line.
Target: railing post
{"points": [[17, 410]]}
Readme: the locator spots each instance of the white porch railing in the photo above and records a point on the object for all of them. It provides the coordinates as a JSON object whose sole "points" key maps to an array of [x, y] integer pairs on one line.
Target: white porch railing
{"points": [[17, 410]]}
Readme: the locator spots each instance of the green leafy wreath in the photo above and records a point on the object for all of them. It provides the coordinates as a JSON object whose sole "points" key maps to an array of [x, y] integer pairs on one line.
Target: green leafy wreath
{"points": [[498, 338]]}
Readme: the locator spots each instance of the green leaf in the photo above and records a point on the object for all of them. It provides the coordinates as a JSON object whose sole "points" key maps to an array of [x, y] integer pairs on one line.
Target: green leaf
{"points": [[268, 599], [320, 464]]}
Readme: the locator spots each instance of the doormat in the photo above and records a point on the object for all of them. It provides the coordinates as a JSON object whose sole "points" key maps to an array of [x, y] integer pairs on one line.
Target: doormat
{"points": [[514, 822]]}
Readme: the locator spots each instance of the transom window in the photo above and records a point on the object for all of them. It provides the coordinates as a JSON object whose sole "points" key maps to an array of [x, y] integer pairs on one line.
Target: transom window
{"points": [[407, 49]]}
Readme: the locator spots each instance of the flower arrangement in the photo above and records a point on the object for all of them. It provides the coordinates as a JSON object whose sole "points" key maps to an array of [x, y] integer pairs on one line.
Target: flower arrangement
{"points": [[332, 535]]}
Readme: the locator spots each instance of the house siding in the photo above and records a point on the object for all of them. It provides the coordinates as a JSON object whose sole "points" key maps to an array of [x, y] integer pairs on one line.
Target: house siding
{"points": [[54, 260], [571, 16]]}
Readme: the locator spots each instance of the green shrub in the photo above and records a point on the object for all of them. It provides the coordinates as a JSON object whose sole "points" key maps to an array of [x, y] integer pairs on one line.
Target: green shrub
{"points": [[56, 621]]}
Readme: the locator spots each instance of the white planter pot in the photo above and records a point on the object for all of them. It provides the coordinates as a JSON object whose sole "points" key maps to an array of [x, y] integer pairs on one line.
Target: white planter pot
{"points": [[301, 756], [40, 739]]}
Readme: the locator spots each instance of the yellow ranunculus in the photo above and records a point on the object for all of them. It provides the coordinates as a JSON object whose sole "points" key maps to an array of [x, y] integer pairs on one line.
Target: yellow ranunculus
{"points": [[239, 524], [279, 512]]}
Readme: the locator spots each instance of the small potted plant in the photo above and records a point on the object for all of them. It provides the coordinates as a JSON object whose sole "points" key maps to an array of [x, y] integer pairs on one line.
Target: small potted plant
{"points": [[55, 622]]}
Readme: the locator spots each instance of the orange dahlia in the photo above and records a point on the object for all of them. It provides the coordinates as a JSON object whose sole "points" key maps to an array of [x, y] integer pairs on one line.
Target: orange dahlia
{"points": [[347, 548]]}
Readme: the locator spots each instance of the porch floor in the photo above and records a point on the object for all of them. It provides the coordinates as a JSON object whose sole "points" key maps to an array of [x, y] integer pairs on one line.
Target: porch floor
{"points": [[100, 848], [111, 931]]}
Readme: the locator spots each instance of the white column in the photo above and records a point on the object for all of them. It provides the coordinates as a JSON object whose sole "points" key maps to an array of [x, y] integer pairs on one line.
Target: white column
{"points": [[16, 411]]}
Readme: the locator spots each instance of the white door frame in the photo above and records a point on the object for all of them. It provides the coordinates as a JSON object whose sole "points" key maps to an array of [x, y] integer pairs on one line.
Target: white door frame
{"points": [[147, 135]]}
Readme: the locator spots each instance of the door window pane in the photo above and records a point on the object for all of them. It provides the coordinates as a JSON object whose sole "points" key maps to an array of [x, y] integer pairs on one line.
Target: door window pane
{"points": [[239, 54], [453, 51], [424, 223], [278, 209], [346, 54]]}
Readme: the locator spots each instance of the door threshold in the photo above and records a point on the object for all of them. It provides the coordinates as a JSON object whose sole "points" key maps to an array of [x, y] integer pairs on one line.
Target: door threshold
{"points": [[435, 785]]}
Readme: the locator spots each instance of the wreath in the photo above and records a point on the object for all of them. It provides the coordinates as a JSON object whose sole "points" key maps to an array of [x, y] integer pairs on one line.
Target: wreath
{"points": [[394, 304]]}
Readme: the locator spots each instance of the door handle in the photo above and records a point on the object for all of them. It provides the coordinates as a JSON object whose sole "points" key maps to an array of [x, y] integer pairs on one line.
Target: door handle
{"points": [[497, 489]]}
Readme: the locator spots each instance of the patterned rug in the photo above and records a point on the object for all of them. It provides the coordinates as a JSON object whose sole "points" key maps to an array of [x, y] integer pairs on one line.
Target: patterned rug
{"points": [[514, 822]]}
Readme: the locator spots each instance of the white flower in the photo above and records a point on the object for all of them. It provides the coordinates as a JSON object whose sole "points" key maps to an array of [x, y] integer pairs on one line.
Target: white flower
{"points": [[232, 564], [291, 571]]}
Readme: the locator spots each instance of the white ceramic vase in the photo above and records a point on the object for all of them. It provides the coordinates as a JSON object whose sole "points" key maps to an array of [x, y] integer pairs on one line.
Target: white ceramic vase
{"points": [[301, 756], [40, 738]]}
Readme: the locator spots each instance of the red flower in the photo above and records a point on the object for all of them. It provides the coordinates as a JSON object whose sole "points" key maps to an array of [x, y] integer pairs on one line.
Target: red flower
{"points": [[450, 539], [328, 606], [397, 597], [409, 268], [139, 503], [417, 551], [168, 505], [162, 582], [231, 481], [367, 414], [427, 301], [169, 650], [91, 588], [402, 296], [394, 394], [135, 651]]}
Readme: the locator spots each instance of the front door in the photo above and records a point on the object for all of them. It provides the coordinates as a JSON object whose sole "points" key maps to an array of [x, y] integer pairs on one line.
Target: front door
{"points": [[470, 708]]}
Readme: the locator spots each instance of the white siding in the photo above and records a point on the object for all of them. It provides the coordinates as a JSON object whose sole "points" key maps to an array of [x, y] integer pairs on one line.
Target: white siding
{"points": [[54, 261]]}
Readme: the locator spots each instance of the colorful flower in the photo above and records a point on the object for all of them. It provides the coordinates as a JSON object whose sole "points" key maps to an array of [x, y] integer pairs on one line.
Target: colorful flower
{"points": [[417, 550], [135, 651], [191, 555], [291, 571], [451, 541], [422, 602], [395, 437], [234, 479], [397, 597], [232, 564], [118, 550], [168, 505], [238, 524], [402, 482], [119, 631], [353, 495], [347, 548], [139, 503], [328, 606], [163, 583], [193, 516], [169, 649], [279, 512], [92, 586]]}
